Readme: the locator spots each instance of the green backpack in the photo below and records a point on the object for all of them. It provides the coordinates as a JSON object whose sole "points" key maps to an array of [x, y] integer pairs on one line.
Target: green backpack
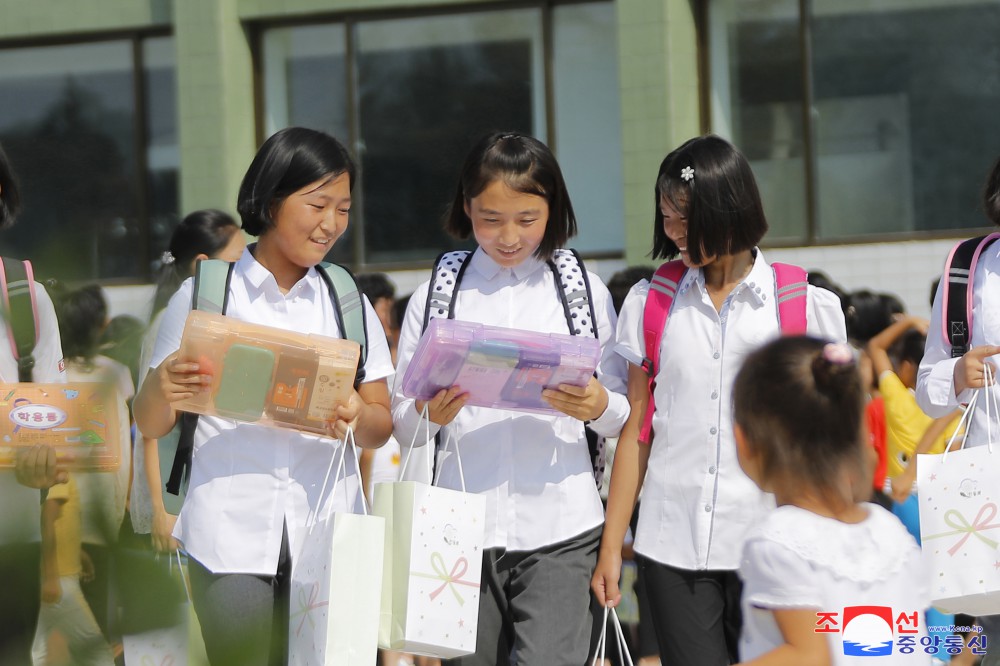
{"points": [[211, 294]]}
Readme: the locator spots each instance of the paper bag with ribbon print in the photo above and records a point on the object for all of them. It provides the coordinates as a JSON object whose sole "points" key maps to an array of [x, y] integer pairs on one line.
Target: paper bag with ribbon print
{"points": [[433, 567], [959, 494], [336, 586]]}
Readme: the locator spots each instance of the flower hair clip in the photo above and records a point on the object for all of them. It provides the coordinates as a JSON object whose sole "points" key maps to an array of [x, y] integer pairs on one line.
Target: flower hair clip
{"points": [[838, 353], [166, 258], [687, 174]]}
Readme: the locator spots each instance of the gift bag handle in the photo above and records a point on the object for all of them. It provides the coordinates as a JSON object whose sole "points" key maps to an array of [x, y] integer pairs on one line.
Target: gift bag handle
{"points": [[312, 518], [434, 477], [965, 423], [599, 650]]}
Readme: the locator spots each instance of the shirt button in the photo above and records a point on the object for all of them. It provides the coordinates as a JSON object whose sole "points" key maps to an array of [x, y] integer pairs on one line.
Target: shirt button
{"points": [[711, 470], [715, 355], [715, 394], [757, 289], [713, 430], [708, 508]]}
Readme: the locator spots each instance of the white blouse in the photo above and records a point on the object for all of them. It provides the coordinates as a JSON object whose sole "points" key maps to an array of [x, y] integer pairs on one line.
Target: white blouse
{"points": [[936, 375], [697, 504], [798, 560], [247, 479], [533, 469]]}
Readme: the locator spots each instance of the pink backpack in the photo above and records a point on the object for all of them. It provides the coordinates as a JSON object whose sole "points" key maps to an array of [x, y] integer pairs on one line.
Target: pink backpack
{"points": [[791, 288]]}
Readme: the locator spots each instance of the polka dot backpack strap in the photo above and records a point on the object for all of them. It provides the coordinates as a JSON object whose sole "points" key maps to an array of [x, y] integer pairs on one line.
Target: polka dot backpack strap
{"points": [[573, 286], [448, 270]]}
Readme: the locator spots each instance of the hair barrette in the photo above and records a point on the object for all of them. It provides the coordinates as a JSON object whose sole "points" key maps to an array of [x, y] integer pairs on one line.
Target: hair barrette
{"points": [[838, 353], [687, 174], [166, 258]]}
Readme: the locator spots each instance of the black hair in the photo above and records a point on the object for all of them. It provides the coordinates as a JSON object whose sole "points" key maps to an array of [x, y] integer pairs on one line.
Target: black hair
{"points": [[991, 194], [622, 281], [866, 314], [524, 164], [800, 403], [205, 232], [720, 200], [82, 314], [288, 161], [10, 195], [893, 304], [399, 311], [375, 286], [908, 347], [121, 341]]}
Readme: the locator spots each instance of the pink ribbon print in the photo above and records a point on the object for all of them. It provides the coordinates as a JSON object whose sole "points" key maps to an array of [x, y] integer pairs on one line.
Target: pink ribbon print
{"points": [[448, 580], [168, 660], [981, 523], [306, 606]]}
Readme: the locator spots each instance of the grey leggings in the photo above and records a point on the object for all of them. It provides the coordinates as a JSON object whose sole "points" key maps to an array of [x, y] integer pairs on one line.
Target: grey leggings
{"points": [[244, 618]]}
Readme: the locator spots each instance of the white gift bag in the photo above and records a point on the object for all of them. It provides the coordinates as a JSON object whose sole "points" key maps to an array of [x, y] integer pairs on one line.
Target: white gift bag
{"points": [[433, 566], [958, 494], [167, 645], [336, 585]]}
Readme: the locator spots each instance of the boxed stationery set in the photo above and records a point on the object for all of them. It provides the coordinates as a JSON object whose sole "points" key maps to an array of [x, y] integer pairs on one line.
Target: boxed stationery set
{"points": [[268, 375], [498, 367]]}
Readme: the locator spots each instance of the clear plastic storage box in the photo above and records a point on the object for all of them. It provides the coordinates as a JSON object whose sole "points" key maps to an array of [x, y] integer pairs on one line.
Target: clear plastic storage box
{"points": [[268, 375], [80, 420], [498, 367]]}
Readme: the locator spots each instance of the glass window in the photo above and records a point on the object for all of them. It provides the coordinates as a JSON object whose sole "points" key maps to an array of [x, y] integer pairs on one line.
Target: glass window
{"points": [[68, 123], [424, 89], [162, 144]]}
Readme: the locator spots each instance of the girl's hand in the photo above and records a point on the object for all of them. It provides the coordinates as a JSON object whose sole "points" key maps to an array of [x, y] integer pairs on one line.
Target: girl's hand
{"points": [[87, 570], [970, 370], [585, 403], [180, 379], [37, 467], [348, 415], [51, 590], [604, 582], [444, 407], [162, 532], [902, 485]]}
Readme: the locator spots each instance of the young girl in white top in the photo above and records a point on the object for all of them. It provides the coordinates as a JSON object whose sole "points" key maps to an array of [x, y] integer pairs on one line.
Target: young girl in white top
{"points": [[252, 487], [544, 511], [808, 567], [697, 504]]}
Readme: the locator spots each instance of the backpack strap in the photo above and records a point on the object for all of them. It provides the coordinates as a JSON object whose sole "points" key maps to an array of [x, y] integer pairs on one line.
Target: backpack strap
{"points": [[211, 285], [349, 308], [20, 313], [573, 286], [449, 268], [791, 285], [662, 289], [956, 309]]}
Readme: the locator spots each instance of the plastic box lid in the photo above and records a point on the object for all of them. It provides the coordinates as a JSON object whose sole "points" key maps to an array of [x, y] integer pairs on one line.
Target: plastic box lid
{"points": [[261, 374], [506, 368]]}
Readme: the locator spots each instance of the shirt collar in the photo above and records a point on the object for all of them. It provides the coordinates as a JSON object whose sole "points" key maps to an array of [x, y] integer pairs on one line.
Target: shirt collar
{"points": [[259, 279], [753, 284], [489, 269]]}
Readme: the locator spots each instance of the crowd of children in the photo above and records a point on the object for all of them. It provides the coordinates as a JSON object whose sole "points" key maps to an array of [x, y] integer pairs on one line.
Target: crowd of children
{"points": [[762, 418]]}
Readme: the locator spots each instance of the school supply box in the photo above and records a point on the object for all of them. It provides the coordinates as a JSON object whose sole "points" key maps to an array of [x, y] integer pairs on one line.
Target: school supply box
{"points": [[79, 420], [498, 367], [268, 375]]}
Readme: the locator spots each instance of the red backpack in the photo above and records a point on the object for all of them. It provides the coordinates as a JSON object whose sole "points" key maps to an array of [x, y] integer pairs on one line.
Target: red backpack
{"points": [[791, 288]]}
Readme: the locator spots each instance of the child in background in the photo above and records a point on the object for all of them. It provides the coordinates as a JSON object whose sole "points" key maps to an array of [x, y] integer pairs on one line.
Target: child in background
{"points": [[944, 382], [543, 509], [253, 487], [64, 565], [697, 505], [798, 407], [202, 234]]}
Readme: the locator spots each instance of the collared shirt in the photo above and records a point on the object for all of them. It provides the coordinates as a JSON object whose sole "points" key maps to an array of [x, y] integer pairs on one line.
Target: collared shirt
{"points": [[247, 479], [697, 504], [936, 375], [533, 469], [20, 518]]}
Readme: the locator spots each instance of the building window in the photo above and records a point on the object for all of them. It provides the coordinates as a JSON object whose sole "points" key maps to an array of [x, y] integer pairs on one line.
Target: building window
{"points": [[902, 100], [414, 94], [97, 173]]}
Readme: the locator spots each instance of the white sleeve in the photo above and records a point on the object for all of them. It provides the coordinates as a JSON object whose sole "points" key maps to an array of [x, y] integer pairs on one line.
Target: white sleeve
{"points": [[825, 315], [612, 371], [168, 337], [378, 365], [405, 418], [774, 577], [936, 374], [49, 365], [628, 337]]}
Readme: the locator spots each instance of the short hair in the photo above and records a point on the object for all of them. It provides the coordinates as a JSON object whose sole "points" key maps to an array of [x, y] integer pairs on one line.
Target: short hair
{"points": [[820, 279], [991, 194], [866, 315], [720, 200], [908, 347], [288, 161], [205, 232], [622, 282], [399, 311], [524, 164], [375, 286], [82, 314], [10, 195], [801, 407]]}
